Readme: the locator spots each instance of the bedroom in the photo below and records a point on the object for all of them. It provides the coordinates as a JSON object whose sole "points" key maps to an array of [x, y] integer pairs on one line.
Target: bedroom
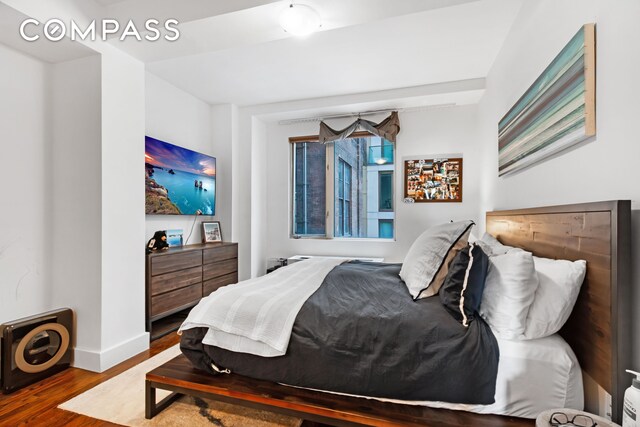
{"points": [[235, 86]]}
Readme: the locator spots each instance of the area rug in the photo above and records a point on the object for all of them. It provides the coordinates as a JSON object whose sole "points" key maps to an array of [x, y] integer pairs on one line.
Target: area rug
{"points": [[120, 400]]}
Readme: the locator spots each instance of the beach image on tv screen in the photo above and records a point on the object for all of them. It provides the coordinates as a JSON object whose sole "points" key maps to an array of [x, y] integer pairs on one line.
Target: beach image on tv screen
{"points": [[178, 181]]}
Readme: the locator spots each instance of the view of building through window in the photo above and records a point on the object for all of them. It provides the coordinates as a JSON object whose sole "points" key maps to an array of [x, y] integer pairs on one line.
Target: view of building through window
{"points": [[362, 188], [309, 189]]}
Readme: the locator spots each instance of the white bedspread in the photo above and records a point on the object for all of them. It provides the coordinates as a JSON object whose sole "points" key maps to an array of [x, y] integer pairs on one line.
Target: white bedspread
{"points": [[256, 316]]}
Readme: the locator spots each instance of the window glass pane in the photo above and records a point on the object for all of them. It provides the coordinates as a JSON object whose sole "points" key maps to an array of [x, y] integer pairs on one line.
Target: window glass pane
{"points": [[363, 187], [347, 218], [385, 228], [341, 179], [309, 189], [385, 199], [380, 151], [347, 182], [340, 222]]}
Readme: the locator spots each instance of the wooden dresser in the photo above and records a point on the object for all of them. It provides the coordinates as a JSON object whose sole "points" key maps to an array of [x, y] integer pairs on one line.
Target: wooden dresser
{"points": [[177, 278]]}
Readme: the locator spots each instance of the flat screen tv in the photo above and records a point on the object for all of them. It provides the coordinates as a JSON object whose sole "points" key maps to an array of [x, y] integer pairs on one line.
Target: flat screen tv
{"points": [[178, 181]]}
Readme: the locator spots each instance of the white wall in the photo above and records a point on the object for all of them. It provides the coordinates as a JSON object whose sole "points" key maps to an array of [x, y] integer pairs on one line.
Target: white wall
{"points": [[76, 198], [26, 240], [224, 134], [76, 132], [179, 118], [123, 260], [242, 193], [604, 168], [260, 193], [426, 132]]}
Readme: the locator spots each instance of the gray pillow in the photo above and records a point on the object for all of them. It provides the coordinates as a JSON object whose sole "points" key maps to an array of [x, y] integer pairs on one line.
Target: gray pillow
{"points": [[426, 264]]}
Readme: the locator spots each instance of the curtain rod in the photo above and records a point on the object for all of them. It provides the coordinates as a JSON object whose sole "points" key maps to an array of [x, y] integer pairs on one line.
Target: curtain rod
{"points": [[337, 116], [364, 113]]}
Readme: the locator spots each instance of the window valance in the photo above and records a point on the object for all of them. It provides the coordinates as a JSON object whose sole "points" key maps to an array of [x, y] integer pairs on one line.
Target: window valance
{"points": [[388, 129]]}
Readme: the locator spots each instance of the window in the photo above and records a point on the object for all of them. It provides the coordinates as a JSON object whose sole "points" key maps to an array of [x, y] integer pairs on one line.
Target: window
{"points": [[309, 189], [343, 189], [385, 191], [385, 228], [381, 153], [343, 211]]}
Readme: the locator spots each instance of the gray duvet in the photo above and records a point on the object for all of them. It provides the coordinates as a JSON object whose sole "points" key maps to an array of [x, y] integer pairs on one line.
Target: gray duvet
{"points": [[362, 333]]}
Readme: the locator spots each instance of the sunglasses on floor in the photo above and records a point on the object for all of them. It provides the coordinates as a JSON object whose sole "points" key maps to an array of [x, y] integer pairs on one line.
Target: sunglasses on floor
{"points": [[559, 419]]}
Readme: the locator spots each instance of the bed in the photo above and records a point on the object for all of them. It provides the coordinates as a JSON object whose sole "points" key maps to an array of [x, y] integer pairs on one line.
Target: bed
{"points": [[597, 232]]}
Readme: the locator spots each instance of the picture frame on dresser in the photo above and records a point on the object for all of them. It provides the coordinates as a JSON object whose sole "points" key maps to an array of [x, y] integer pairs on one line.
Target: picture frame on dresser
{"points": [[211, 232]]}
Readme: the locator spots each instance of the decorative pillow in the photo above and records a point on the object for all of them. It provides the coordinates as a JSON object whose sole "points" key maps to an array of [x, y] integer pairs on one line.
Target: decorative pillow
{"points": [[426, 264], [461, 292], [508, 293], [560, 282]]}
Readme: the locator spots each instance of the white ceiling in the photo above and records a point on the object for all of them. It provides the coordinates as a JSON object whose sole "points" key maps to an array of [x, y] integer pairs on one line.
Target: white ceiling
{"points": [[234, 51], [64, 50], [425, 47], [108, 2], [208, 26]]}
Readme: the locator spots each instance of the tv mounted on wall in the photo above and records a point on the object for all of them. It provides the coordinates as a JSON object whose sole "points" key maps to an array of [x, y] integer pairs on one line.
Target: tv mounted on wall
{"points": [[178, 181]]}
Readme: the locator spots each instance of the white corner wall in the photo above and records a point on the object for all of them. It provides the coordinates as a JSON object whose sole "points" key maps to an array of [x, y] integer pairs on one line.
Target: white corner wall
{"points": [[123, 260], [76, 205], [603, 168], [423, 133], [179, 118], [26, 240], [224, 134], [260, 193]]}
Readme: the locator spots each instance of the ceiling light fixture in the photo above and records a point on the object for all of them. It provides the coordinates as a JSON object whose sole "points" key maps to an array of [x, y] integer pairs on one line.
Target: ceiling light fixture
{"points": [[299, 20]]}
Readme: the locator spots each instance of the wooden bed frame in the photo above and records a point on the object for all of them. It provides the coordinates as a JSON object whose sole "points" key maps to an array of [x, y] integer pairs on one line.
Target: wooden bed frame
{"points": [[598, 329]]}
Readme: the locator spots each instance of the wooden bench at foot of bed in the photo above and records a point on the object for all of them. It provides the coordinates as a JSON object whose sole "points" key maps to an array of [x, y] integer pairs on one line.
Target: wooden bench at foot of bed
{"points": [[180, 377]]}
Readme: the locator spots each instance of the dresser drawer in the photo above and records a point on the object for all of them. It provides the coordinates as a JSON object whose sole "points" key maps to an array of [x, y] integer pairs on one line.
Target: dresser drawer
{"points": [[213, 284], [174, 299], [220, 268], [173, 262], [220, 253], [175, 280]]}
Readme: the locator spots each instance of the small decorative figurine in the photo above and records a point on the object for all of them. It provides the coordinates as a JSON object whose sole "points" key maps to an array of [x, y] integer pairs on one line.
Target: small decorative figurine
{"points": [[158, 241]]}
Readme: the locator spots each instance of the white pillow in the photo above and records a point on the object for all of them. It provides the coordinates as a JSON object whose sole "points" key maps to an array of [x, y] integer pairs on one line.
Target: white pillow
{"points": [[491, 246], [426, 264], [508, 293], [560, 282]]}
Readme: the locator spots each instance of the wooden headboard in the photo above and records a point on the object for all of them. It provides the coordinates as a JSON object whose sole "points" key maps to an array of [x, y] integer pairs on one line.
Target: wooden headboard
{"points": [[600, 233]]}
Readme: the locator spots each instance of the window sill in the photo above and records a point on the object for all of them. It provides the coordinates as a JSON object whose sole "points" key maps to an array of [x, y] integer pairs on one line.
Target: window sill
{"points": [[363, 239], [345, 239]]}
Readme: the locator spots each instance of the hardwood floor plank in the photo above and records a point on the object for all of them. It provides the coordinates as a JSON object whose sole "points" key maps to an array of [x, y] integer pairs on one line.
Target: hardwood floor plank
{"points": [[36, 405]]}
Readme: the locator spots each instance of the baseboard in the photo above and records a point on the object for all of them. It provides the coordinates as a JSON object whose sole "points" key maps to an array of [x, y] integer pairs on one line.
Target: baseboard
{"points": [[95, 361]]}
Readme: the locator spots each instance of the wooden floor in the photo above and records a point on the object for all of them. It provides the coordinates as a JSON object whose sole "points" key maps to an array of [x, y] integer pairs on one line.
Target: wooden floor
{"points": [[36, 405]]}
